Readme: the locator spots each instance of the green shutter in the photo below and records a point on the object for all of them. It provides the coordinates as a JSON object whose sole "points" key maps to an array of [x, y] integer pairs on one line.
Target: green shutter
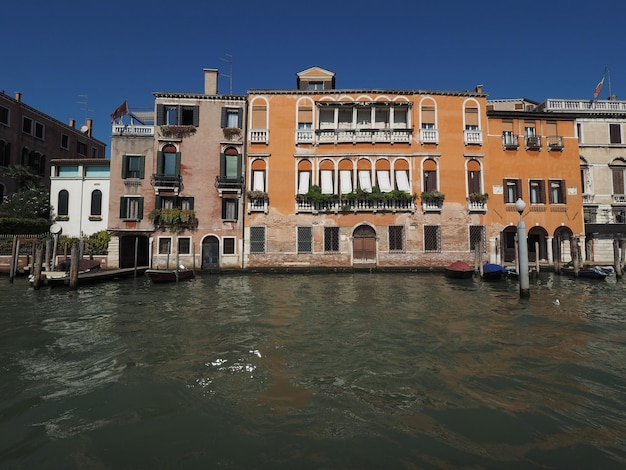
{"points": [[123, 207], [124, 166], [177, 163], [140, 209], [159, 163], [222, 165], [142, 166]]}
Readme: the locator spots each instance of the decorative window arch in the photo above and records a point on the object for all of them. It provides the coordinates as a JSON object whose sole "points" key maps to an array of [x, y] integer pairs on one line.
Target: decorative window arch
{"points": [[401, 174], [230, 165]]}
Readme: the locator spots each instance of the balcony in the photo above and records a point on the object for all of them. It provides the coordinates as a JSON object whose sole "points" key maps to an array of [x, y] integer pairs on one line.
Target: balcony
{"points": [[555, 142], [257, 205], [372, 136], [473, 137], [585, 105], [533, 142], [163, 182], [477, 202], [619, 199], [510, 142], [222, 183], [132, 130], [588, 198], [335, 204], [258, 136], [429, 136], [305, 136]]}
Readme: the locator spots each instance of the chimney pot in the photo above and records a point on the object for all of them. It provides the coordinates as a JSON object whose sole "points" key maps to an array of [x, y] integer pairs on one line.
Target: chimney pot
{"points": [[18, 96], [72, 123]]}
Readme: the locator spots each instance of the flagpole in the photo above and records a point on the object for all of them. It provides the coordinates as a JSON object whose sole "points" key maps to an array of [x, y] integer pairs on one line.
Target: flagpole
{"points": [[608, 75]]}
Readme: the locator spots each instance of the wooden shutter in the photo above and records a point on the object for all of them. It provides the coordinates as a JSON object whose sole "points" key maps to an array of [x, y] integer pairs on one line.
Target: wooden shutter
{"points": [[196, 116], [618, 180], [124, 166], [160, 115], [140, 208], [142, 166], [123, 207], [160, 163], [177, 163]]}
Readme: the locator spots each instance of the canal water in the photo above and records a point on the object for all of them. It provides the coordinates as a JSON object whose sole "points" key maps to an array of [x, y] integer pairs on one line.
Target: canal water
{"points": [[322, 371]]}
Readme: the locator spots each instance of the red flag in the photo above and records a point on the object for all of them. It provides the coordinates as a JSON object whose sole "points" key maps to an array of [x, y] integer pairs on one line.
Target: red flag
{"points": [[121, 110], [599, 85]]}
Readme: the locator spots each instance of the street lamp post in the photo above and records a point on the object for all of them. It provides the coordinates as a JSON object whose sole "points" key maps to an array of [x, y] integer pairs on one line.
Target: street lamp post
{"points": [[522, 251]]}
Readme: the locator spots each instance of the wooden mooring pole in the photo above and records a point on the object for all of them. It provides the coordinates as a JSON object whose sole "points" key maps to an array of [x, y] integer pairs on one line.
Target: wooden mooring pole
{"points": [[37, 264], [74, 267], [616, 258]]}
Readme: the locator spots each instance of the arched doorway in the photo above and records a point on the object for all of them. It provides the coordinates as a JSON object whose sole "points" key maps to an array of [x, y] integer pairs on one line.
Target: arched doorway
{"points": [[129, 244], [364, 245], [562, 244], [537, 239], [508, 244], [210, 253]]}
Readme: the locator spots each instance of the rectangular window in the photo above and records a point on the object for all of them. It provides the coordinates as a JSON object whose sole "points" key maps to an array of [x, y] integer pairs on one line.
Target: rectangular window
{"points": [[327, 118], [396, 238], [305, 117], [428, 117], [305, 240], [364, 117], [327, 181], [477, 236], [131, 208], [230, 209], [94, 152], [619, 215], [258, 180], [345, 181], [176, 115], [39, 130], [537, 192], [512, 190], [402, 181], [27, 125], [384, 183], [133, 166], [232, 117], [589, 214], [304, 181], [229, 245], [615, 131], [617, 174], [81, 148], [65, 141], [4, 115], [331, 239], [432, 238], [165, 245], [184, 245], [188, 116], [257, 239], [557, 192]]}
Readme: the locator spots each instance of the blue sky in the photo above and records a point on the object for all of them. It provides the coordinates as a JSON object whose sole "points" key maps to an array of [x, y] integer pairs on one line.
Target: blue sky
{"points": [[78, 60]]}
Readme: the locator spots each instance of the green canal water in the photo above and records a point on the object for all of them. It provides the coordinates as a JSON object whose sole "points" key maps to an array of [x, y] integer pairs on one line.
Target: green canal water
{"points": [[322, 371]]}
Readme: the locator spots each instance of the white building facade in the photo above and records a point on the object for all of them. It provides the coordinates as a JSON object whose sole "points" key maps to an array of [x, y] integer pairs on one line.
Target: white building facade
{"points": [[79, 195]]}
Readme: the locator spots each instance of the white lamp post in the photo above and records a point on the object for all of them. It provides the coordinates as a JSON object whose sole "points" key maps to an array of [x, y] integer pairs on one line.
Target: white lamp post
{"points": [[522, 251]]}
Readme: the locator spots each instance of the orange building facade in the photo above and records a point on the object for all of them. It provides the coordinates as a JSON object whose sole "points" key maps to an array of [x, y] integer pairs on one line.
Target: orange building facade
{"points": [[533, 155], [364, 178]]}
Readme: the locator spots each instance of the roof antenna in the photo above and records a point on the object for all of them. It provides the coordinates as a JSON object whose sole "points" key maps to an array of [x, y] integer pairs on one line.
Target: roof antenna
{"points": [[229, 59], [85, 108]]}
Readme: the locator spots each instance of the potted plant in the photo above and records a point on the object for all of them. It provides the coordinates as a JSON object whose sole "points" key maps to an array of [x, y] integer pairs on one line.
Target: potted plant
{"points": [[479, 197], [433, 196]]}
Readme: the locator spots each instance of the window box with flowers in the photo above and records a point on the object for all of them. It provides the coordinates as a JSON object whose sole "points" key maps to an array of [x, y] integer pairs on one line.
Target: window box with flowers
{"points": [[173, 219], [432, 200], [477, 201], [232, 133], [177, 132]]}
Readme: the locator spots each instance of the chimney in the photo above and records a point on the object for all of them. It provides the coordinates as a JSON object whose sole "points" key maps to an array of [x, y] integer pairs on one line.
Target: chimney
{"points": [[479, 89], [18, 96], [89, 126], [210, 81], [72, 123]]}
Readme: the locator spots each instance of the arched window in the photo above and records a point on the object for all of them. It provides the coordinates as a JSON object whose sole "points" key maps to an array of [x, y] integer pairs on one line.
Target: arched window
{"points": [[64, 198], [364, 171], [304, 176], [383, 177], [230, 167], [430, 182], [345, 176], [168, 162], [617, 170], [96, 202], [258, 175], [327, 170], [474, 179], [401, 175]]}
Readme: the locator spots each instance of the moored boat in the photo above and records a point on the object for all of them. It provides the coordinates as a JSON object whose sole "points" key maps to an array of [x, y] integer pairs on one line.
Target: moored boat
{"points": [[459, 270], [590, 272], [169, 275], [494, 272]]}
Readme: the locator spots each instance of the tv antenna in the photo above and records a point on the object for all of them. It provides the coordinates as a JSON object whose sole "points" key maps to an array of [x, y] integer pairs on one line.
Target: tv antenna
{"points": [[85, 108], [229, 59]]}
